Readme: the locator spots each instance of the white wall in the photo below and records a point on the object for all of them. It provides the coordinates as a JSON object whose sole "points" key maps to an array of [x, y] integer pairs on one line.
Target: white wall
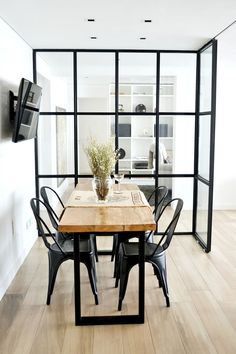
{"points": [[17, 228], [225, 149]]}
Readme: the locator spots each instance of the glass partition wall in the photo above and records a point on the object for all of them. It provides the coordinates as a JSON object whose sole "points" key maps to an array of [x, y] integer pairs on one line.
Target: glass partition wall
{"points": [[153, 105], [204, 168]]}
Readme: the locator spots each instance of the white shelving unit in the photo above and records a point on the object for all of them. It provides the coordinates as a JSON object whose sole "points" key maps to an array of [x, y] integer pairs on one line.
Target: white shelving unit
{"points": [[137, 133]]}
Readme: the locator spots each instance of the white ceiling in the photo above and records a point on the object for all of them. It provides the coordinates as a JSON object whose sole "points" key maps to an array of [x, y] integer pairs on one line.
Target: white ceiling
{"points": [[119, 24]]}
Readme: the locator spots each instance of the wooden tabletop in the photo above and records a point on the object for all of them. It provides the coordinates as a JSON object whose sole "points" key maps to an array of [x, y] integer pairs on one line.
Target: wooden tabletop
{"points": [[107, 219], [117, 219]]}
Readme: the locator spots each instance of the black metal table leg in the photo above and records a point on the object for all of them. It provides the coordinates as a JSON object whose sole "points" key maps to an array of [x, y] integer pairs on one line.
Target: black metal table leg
{"points": [[77, 280], [141, 277]]}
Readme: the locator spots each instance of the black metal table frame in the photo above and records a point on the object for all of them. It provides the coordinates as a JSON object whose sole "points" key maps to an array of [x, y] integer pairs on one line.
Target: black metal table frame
{"points": [[119, 319]]}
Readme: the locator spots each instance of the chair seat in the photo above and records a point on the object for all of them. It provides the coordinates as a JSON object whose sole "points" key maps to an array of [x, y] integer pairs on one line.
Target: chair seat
{"points": [[131, 249], [68, 246]]}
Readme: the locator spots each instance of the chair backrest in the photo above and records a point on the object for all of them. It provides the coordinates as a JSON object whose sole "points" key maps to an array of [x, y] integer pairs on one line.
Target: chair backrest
{"points": [[161, 193], [168, 234], [45, 191], [43, 228]]}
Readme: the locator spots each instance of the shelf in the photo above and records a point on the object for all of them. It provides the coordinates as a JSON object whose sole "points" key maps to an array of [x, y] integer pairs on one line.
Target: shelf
{"points": [[142, 137]]}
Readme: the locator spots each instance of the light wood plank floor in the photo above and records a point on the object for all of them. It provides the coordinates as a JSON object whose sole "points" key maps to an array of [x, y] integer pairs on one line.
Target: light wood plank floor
{"points": [[201, 319]]}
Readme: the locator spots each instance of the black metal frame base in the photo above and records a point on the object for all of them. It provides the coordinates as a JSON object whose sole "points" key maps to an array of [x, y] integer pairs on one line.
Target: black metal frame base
{"points": [[118, 319], [109, 320]]}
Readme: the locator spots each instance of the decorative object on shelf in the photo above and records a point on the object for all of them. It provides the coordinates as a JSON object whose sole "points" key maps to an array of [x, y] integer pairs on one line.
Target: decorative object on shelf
{"points": [[121, 107], [141, 165], [140, 108], [121, 153], [101, 158]]}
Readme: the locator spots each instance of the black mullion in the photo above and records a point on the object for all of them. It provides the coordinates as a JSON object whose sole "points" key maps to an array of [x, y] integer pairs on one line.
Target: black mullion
{"points": [[75, 118], [157, 121], [56, 113], [36, 161], [160, 113], [196, 143], [212, 143], [115, 50], [116, 106]]}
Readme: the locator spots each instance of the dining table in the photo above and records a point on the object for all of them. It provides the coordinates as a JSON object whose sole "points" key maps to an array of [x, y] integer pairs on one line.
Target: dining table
{"points": [[125, 212]]}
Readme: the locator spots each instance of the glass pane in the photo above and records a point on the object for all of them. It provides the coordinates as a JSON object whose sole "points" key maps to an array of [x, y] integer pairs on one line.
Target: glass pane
{"points": [[202, 211], [124, 143], [55, 144], [99, 127], [136, 135], [180, 188], [204, 146], [182, 156], [95, 75], [205, 79], [55, 76], [177, 82], [137, 79]]}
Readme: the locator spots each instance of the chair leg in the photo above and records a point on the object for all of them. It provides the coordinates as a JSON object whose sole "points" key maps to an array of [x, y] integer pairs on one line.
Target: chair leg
{"points": [[90, 265], [165, 287], [157, 274], [54, 262], [94, 245], [160, 265], [114, 247], [116, 262], [125, 267], [117, 275]]}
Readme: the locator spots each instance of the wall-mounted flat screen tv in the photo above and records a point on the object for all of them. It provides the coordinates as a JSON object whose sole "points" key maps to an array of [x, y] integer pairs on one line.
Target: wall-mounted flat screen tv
{"points": [[25, 115]]}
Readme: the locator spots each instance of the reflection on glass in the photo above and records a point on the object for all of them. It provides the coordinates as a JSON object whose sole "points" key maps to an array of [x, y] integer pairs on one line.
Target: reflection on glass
{"points": [[202, 211], [96, 76], [205, 79], [55, 76], [204, 146], [137, 78], [55, 151], [98, 127], [178, 82]]}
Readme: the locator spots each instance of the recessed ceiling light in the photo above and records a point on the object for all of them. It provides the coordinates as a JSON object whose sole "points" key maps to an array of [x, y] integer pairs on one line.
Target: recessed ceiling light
{"points": [[91, 19], [93, 37], [142, 38], [148, 20]]}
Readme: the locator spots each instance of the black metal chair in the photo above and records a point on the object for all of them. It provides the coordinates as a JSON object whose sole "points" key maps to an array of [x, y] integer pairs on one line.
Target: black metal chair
{"points": [[55, 216], [161, 193], [62, 249], [154, 254]]}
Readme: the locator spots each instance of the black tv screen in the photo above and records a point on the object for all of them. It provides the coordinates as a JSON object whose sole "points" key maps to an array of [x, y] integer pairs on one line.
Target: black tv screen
{"points": [[27, 111]]}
